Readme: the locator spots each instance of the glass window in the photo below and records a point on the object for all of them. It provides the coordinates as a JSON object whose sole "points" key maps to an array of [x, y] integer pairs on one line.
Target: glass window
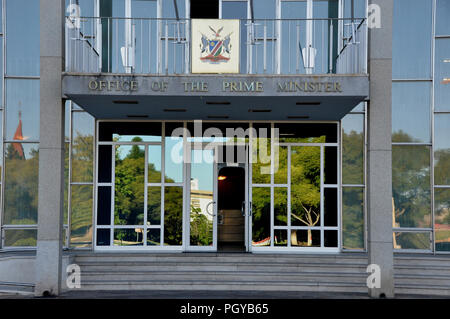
{"points": [[129, 185], [22, 114], [353, 149], [153, 237], [305, 238], [411, 112], [104, 163], [154, 205], [82, 147], [129, 131], [154, 164], [411, 186], [265, 9], [307, 133], [168, 9], [359, 8], [442, 149], [81, 216], [21, 183], [1, 66], [1, 147], [442, 219], [104, 205], [442, 75], [353, 217], [280, 206], [103, 237], [442, 17], [129, 237], [260, 216], [173, 154], [410, 240], [67, 114], [143, 9], [20, 237], [22, 36], [261, 153], [305, 186], [173, 215], [411, 39], [238, 10], [280, 166]]}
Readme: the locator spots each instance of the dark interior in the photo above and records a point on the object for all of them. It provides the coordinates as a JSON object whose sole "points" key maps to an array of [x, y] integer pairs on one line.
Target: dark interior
{"points": [[204, 9], [231, 195]]}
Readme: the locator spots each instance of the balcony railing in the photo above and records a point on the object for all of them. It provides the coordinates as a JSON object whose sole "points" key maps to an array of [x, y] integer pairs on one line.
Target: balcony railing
{"points": [[162, 46]]}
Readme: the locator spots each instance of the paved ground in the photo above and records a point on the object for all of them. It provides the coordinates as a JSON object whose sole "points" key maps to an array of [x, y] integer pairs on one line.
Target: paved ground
{"points": [[209, 295]]}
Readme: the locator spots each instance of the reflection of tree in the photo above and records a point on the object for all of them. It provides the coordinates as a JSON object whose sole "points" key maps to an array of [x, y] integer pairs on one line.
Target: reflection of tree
{"points": [[352, 157], [442, 167], [21, 187], [411, 183], [82, 158], [201, 228], [305, 189], [305, 192], [81, 195], [129, 186], [353, 218], [173, 215]]}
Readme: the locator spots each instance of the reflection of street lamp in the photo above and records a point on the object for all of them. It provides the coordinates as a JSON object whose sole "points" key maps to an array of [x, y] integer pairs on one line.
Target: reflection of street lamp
{"points": [[222, 178]]}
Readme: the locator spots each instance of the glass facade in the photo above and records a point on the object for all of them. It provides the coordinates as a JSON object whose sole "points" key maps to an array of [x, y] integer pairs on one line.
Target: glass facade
{"points": [[420, 125], [420, 147]]}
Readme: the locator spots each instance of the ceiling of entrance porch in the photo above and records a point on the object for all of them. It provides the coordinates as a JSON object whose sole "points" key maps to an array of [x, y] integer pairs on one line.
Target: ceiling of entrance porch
{"points": [[217, 108]]}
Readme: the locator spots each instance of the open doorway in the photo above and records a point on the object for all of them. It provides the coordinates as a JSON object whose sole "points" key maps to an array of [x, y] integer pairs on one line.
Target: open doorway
{"points": [[231, 209], [204, 9]]}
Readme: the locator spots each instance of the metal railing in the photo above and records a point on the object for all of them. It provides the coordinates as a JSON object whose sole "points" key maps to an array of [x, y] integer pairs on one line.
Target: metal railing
{"points": [[351, 59], [162, 46]]}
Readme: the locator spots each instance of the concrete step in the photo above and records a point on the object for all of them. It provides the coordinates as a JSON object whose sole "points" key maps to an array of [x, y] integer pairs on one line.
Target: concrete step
{"points": [[224, 285], [428, 290], [418, 271], [16, 288], [213, 266], [256, 278], [228, 258]]}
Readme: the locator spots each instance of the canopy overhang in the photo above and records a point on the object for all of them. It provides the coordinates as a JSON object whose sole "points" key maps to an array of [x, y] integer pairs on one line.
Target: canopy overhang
{"points": [[217, 97]]}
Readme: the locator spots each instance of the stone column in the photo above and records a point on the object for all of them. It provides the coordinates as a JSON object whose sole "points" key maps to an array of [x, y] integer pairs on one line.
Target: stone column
{"points": [[51, 149], [379, 172]]}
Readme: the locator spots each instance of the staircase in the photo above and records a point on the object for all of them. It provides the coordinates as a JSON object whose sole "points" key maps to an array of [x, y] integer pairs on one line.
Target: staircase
{"points": [[422, 274], [222, 271]]}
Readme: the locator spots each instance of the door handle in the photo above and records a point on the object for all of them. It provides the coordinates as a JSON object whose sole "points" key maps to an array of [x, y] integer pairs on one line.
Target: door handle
{"points": [[207, 208], [243, 208]]}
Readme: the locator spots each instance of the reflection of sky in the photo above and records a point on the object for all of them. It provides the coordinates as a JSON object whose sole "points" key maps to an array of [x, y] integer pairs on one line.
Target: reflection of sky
{"points": [[23, 37], [129, 138], [411, 43], [83, 123], [22, 95], [202, 170], [353, 122], [411, 109], [442, 131]]}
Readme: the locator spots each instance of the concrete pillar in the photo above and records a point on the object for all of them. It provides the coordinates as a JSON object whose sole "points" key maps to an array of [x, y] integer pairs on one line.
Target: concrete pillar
{"points": [[379, 173], [51, 149]]}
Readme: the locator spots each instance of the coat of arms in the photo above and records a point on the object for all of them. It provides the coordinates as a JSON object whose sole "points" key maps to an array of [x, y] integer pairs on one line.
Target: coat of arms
{"points": [[215, 46], [214, 49]]}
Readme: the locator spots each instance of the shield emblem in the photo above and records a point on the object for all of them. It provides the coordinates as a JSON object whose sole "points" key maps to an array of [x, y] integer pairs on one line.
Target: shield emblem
{"points": [[215, 47]]}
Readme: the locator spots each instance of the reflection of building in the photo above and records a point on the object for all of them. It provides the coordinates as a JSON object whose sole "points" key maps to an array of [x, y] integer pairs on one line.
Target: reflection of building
{"points": [[305, 69], [200, 200], [18, 136]]}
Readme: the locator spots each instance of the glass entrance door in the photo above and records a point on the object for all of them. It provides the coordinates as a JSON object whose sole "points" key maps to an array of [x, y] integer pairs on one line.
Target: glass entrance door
{"points": [[202, 177]]}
